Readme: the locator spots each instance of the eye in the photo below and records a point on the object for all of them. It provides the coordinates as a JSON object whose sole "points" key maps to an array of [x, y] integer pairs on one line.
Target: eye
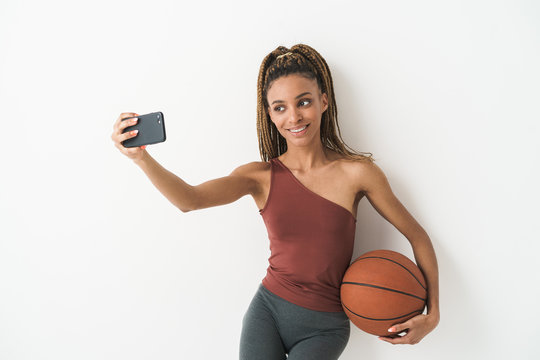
{"points": [[308, 101]]}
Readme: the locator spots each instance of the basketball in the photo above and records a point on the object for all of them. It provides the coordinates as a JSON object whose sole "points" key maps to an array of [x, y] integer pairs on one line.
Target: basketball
{"points": [[382, 288]]}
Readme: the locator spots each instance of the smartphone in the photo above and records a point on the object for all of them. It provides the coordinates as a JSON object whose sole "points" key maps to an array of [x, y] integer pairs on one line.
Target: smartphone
{"points": [[151, 130]]}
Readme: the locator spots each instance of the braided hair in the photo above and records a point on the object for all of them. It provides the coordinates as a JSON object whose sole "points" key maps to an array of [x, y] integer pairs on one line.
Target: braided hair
{"points": [[303, 60]]}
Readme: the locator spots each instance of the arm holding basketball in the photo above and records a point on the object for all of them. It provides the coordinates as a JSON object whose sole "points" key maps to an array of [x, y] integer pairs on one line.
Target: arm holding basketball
{"points": [[379, 193]]}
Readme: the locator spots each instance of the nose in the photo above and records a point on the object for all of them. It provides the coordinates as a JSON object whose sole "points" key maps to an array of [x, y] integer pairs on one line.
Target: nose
{"points": [[295, 116]]}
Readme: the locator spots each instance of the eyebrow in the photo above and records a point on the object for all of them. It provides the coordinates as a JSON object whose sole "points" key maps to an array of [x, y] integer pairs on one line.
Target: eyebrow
{"points": [[302, 94]]}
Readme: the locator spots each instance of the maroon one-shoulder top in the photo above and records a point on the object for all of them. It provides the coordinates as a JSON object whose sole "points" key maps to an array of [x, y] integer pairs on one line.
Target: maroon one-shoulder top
{"points": [[311, 242]]}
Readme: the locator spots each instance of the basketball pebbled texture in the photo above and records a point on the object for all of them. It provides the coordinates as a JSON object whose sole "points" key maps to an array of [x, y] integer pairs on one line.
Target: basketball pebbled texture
{"points": [[382, 288]]}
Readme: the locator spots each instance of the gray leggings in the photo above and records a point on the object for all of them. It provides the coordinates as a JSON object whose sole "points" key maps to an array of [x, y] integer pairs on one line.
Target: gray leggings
{"points": [[273, 327]]}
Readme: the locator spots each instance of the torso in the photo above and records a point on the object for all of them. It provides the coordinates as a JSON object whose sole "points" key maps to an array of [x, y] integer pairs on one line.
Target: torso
{"points": [[335, 182]]}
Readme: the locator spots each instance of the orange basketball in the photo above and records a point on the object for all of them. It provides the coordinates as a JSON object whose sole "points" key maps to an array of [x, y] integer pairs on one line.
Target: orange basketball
{"points": [[382, 288]]}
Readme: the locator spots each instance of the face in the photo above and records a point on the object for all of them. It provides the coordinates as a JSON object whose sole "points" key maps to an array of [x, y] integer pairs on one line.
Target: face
{"points": [[295, 102]]}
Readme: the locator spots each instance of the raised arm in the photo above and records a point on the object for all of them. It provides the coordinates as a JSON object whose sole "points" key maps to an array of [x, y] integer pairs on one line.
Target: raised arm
{"points": [[186, 197], [220, 191], [227, 189]]}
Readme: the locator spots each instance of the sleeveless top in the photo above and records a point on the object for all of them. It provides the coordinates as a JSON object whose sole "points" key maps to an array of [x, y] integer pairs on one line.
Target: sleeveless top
{"points": [[311, 242]]}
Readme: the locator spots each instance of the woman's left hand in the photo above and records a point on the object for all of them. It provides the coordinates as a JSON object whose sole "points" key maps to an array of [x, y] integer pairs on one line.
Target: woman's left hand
{"points": [[416, 328]]}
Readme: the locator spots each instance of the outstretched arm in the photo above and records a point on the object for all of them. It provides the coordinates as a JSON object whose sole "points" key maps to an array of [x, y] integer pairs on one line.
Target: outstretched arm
{"points": [[380, 195], [184, 196]]}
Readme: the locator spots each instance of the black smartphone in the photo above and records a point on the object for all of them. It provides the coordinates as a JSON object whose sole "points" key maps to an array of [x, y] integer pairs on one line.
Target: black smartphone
{"points": [[151, 130]]}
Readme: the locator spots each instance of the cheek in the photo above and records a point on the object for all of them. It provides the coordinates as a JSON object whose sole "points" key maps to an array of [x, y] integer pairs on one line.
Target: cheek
{"points": [[277, 124], [276, 119]]}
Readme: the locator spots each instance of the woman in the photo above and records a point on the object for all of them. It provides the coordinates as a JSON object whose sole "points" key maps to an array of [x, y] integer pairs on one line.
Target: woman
{"points": [[307, 188]]}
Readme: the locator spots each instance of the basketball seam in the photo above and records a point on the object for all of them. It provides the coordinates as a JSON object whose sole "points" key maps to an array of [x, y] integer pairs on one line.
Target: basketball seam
{"points": [[384, 288], [375, 319], [395, 262]]}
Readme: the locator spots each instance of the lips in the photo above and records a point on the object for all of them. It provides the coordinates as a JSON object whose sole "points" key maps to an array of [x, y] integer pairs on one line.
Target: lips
{"points": [[298, 127]]}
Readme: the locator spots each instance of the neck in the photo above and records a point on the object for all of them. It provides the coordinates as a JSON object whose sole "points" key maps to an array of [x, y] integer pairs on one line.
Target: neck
{"points": [[306, 158]]}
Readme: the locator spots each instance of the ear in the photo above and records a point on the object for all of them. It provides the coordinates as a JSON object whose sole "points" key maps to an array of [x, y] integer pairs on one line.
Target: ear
{"points": [[324, 100]]}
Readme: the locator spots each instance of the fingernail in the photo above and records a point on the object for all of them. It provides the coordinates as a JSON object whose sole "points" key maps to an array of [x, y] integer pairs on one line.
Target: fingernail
{"points": [[133, 121], [391, 329], [134, 132], [143, 147]]}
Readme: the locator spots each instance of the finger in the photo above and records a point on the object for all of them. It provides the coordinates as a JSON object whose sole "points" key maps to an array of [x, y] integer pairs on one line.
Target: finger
{"points": [[118, 129], [132, 150], [397, 328], [127, 115], [119, 138], [126, 150], [391, 336], [125, 123], [127, 135], [388, 339], [395, 340], [122, 117]]}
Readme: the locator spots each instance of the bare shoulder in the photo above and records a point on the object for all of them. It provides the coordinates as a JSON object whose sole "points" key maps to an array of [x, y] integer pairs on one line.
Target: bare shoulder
{"points": [[255, 171], [366, 174], [251, 169]]}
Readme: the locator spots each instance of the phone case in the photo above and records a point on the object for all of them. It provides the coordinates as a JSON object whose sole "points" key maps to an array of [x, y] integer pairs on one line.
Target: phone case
{"points": [[151, 130]]}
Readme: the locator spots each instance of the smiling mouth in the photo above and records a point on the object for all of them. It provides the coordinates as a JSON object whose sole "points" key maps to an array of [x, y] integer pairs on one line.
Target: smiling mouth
{"points": [[299, 129]]}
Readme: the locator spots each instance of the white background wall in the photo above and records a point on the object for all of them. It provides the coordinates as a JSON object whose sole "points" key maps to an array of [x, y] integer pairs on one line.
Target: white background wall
{"points": [[96, 264]]}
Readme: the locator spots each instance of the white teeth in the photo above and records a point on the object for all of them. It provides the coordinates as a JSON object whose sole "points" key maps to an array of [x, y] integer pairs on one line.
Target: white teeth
{"points": [[298, 129]]}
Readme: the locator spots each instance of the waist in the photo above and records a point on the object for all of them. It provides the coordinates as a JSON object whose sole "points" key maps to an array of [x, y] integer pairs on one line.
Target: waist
{"points": [[313, 296]]}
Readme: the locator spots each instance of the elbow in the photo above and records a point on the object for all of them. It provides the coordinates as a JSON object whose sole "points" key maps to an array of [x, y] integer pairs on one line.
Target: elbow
{"points": [[192, 205], [185, 208]]}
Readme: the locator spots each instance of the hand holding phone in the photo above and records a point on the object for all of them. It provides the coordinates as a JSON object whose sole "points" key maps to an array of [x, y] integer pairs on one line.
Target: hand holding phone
{"points": [[151, 130]]}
